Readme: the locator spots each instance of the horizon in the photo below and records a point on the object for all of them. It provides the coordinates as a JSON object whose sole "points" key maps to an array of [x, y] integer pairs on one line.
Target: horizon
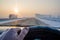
{"points": [[27, 8]]}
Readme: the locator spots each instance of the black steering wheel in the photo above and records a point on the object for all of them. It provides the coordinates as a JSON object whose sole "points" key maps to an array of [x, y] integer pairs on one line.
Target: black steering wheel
{"points": [[42, 33]]}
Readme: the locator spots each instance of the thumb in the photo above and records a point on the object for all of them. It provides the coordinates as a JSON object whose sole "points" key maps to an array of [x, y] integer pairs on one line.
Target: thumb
{"points": [[23, 33]]}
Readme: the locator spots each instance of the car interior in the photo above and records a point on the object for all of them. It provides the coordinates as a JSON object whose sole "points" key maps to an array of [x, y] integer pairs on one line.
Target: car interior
{"points": [[42, 33]]}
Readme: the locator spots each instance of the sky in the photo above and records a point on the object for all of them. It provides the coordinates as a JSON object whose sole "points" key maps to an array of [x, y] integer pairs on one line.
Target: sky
{"points": [[27, 8]]}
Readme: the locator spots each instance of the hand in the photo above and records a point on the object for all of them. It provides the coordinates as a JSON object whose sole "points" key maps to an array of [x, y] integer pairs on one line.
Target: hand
{"points": [[13, 34], [10, 34]]}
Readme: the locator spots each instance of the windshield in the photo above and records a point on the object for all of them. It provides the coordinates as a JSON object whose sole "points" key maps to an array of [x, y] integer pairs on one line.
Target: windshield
{"points": [[29, 13]]}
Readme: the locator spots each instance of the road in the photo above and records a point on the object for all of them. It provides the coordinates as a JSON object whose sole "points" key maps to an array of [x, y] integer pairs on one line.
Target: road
{"points": [[26, 21]]}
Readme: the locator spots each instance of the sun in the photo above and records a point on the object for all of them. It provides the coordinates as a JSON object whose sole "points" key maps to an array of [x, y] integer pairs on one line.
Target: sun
{"points": [[16, 10]]}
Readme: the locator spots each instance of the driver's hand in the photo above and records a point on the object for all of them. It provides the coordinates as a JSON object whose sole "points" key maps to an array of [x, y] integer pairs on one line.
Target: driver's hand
{"points": [[11, 34]]}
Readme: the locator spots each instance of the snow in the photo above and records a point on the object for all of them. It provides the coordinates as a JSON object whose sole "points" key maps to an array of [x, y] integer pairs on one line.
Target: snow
{"points": [[51, 23], [10, 21], [26, 21]]}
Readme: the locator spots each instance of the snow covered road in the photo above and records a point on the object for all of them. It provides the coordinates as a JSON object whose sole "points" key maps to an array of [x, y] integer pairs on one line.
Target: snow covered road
{"points": [[51, 23]]}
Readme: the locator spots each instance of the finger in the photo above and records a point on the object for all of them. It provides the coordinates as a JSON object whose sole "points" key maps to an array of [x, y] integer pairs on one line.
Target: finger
{"points": [[3, 34], [15, 29], [23, 33]]}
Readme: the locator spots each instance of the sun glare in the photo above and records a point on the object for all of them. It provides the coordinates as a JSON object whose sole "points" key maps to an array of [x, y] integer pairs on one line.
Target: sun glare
{"points": [[16, 10]]}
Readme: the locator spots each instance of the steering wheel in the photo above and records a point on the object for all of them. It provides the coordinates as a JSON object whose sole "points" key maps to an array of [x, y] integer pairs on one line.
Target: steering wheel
{"points": [[42, 33]]}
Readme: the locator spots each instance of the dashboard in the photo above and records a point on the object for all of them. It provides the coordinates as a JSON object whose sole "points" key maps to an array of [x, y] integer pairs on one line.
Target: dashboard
{"points": [[39, 33]]}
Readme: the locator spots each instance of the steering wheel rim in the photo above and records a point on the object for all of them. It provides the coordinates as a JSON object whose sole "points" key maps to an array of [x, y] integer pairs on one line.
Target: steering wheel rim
{"points": [[43, 33]]}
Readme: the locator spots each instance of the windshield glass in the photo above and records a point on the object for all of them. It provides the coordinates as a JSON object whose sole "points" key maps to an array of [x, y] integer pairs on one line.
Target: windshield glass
{"points": [[29, 13]]}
